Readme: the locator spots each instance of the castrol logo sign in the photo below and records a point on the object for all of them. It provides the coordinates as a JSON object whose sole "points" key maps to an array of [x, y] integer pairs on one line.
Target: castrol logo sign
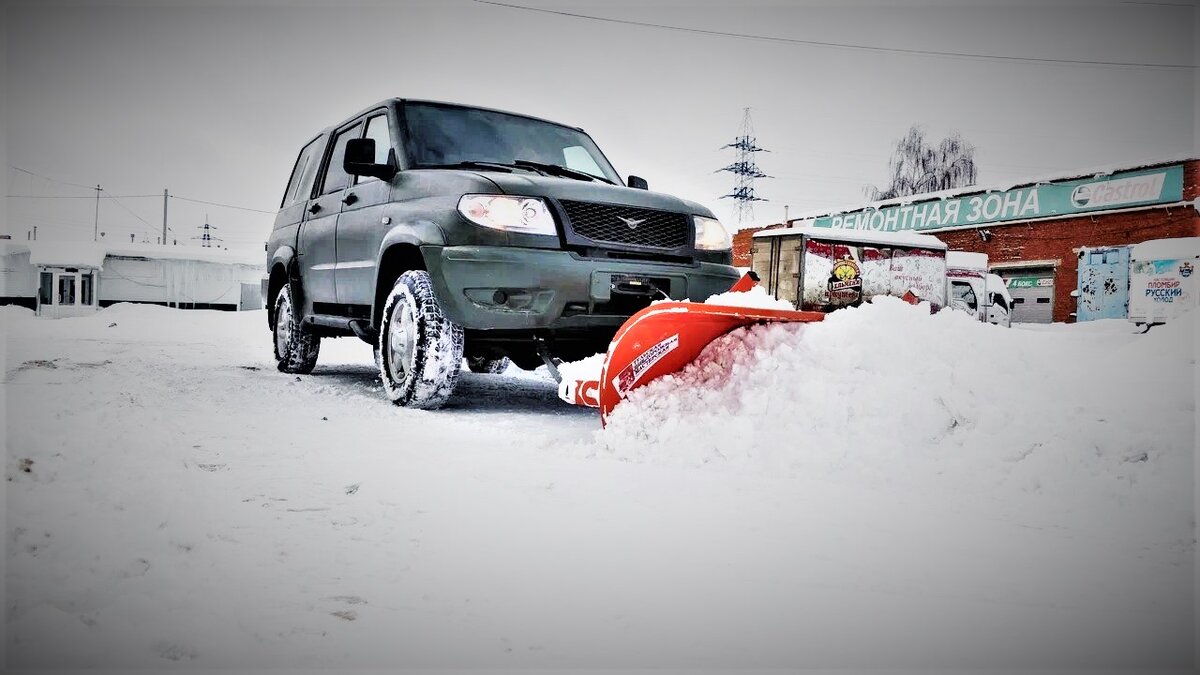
{"points": [[1117, 192]]}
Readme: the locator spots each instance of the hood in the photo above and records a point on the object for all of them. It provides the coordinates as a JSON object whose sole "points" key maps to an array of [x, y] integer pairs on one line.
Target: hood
{"points": [[577, 190]]}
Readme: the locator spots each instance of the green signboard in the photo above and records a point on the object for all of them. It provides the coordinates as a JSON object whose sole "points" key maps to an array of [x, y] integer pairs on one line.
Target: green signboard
{"points": [[1029, 282], [1119, 190]]}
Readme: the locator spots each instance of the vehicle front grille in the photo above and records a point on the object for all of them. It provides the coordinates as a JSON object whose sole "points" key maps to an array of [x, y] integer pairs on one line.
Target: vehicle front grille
{"points": [[628, 225]]}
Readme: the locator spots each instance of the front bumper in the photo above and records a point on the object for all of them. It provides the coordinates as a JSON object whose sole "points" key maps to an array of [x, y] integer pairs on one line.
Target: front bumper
{"points": [[509, 288]]}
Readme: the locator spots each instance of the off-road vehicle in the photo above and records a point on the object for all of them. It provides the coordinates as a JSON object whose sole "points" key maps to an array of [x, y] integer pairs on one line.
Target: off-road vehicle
{"points": [[436, 232]]}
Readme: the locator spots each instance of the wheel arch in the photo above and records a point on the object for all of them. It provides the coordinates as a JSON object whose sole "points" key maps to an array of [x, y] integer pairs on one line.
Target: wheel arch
{"points": [[281, 268], [395, 258]]}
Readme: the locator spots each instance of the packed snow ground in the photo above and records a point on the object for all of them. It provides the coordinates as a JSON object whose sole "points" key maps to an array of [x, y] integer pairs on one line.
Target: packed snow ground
{"points": [[884, 489]]}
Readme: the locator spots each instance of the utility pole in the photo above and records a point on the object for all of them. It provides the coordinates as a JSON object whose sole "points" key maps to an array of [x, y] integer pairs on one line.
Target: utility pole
{"points": [[96, 221], [164, 237]]}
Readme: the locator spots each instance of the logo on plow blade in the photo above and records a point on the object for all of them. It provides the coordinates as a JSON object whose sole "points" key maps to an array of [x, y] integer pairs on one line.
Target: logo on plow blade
{"points": [[581, 392], [629, 376]]}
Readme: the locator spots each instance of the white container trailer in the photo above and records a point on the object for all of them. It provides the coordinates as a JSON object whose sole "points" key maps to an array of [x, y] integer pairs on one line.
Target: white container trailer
{"points": [[822, 269], [1163, 277]]}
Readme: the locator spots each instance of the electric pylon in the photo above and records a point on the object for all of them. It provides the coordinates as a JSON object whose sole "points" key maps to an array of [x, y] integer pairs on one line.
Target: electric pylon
{"points": [[206, 239], [746, 171]]}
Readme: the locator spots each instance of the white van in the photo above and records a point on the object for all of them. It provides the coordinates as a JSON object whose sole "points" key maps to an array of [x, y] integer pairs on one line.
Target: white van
{"points": [[972, 289]]}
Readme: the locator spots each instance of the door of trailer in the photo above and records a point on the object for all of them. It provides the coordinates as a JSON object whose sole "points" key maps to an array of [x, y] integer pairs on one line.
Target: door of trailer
{"points": [[1103, 283]]}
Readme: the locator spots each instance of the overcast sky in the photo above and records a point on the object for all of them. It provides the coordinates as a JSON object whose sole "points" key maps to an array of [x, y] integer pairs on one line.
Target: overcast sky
{"points": [[213, 102]]}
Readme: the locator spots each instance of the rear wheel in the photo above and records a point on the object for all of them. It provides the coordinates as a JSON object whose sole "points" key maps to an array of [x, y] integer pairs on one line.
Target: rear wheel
{"points": [[296, 347], [482, 364], [420, 349]]}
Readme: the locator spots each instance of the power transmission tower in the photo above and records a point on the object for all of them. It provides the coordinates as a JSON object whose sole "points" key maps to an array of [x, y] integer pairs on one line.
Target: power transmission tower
{"points": [[206, 239], [745, 170]]}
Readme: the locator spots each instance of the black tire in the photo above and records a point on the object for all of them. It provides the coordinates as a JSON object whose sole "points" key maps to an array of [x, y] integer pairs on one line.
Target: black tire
{"points": [[482, 364], [419, 368], [296, 347]]}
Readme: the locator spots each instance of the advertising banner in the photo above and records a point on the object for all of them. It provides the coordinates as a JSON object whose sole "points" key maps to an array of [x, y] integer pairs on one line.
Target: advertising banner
{"points": [[1119, 190], [1160, 290]]}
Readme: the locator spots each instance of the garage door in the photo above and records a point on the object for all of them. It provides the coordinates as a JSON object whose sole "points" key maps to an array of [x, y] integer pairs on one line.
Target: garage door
{"points": [[1033, 298]]}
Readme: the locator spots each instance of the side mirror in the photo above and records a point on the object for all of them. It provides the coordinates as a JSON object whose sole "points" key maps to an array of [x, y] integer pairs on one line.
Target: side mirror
{"points": [[638, 183], [360, 160]]}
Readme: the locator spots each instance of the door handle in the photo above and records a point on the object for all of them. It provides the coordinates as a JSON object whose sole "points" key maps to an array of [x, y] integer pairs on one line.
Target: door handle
{"points": [[314, 208], [349, 199]]}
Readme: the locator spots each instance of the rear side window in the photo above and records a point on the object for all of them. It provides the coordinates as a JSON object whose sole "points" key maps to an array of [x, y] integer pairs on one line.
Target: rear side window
{"points": [[335, 177], [300, 183]]}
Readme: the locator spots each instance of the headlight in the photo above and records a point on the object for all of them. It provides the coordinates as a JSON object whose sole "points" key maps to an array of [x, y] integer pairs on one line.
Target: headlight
{"points": [[512, 214], [711, 235]]}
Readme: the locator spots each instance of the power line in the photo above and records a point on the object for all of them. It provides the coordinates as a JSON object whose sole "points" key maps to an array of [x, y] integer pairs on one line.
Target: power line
{"points": [[228, 206], [116, 197], [844, 45], [53, 180], [135, 215], [159, 196], [107, 196]]}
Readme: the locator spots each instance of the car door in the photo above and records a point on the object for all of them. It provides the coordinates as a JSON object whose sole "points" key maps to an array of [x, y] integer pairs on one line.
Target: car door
{"points": [[318, 234], [360, 226]]}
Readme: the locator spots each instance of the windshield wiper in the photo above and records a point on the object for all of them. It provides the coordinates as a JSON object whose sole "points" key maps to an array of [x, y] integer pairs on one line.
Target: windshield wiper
{"points": [[542, 168], [471, 164], [556, 170]]}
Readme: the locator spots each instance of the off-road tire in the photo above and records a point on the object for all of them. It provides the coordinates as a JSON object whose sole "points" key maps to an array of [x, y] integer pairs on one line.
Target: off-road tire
{"points": [[426, 376], [296, 347], [482, 364]]}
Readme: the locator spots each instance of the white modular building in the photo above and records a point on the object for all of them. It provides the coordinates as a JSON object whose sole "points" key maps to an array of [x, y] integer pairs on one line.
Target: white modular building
{"points": [[68, 278]]}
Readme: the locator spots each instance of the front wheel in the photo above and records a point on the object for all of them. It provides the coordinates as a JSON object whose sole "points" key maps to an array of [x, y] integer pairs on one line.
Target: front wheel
{"points": [[296, 347], [420, 349]]}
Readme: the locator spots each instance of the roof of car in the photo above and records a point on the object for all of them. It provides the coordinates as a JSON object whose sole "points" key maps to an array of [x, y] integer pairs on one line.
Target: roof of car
{"points": [[401, 101]]}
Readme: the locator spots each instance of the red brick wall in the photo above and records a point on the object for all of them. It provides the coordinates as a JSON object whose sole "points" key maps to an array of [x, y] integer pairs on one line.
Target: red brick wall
{"points": [[741, 244]]}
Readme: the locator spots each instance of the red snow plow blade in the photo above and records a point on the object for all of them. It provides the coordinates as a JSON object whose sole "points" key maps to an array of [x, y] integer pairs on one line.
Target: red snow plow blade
{"points": [[662, 339]]}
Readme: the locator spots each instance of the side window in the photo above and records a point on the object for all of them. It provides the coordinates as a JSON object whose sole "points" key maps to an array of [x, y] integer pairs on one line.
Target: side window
{"points": [[963, 291], [999, 301], [301, 175], [377, 129], [335, 177]]}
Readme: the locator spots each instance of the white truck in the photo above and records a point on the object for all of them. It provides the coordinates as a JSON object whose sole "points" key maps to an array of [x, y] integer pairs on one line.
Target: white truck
{"points": [[1163, 279], [972, 289]]}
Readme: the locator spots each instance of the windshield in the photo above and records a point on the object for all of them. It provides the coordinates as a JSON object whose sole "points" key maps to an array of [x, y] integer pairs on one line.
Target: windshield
{"points": [[441, 135]]}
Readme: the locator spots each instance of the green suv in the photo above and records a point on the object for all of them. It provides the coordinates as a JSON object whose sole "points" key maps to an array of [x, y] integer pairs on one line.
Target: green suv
{"points": [[436, 232]]}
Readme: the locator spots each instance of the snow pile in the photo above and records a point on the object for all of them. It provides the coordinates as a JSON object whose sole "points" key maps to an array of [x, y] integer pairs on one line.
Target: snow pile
{"points": [[889, 394], [757, 297]]}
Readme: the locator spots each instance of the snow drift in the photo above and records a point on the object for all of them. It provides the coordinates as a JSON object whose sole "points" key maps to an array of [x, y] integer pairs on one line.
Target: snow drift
{"points": [[888, 393]]}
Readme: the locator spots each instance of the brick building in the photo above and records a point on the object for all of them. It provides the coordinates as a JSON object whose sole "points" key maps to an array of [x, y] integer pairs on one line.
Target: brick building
{"points": [[1033, 232]]}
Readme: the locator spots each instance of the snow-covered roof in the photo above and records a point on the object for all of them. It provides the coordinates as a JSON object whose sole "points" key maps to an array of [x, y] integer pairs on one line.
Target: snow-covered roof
{"points": [[859, 236], [1073, 174], [967, 260], [92, 254], [66, 253], [1166, 249]]}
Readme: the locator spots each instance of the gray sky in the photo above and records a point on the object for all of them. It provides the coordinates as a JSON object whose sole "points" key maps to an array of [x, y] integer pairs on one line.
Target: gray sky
{"points": [[214, 101]]}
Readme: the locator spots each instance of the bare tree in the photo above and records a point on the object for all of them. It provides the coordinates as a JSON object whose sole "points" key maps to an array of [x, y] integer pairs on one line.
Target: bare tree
{"points": [[917, 167]]}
